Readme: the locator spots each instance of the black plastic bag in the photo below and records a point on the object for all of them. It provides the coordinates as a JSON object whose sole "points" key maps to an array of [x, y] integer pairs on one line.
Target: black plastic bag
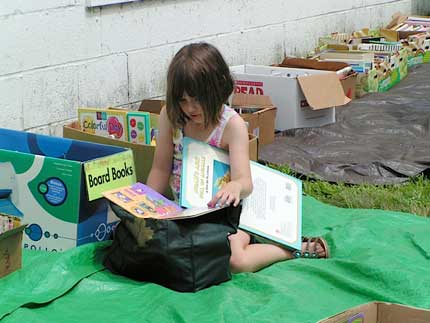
{"points": [[184, 255]]}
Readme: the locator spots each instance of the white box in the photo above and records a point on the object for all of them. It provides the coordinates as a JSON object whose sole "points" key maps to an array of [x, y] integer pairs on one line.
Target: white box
{"points": [[304, 98]]}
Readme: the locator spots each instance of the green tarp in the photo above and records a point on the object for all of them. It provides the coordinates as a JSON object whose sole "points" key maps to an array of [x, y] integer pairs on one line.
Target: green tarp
{"points": [[376, 255]]}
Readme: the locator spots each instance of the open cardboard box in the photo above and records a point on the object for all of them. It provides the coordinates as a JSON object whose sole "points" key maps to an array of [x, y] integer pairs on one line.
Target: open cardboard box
{"points": [[380, 312], [55, 184], [389, 32], [143, 154], [154, 108], [347, 80], [11, 249], [372, 77], [303, 97], [260, 118]]}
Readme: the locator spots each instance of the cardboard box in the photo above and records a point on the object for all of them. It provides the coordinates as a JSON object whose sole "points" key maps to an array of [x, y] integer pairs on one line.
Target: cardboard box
{"points": [[264, 135], [381, 312], [259, 113], [418, 47], [390, 32], [377, 71], [11, 249], [54, 185], [348, 80], [143, 154], [303, 97]]}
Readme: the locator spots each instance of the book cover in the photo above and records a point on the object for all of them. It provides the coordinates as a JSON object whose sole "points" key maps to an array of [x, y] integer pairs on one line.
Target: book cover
{"points": [[143, 202], [273, 210], [138, 126]]}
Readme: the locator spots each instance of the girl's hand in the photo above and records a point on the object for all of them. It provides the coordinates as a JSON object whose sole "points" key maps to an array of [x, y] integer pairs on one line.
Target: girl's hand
{"points": [[229, 194]]}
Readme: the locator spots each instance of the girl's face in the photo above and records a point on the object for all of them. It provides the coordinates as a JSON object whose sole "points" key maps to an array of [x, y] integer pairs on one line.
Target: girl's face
{"points": [[192, 109]]}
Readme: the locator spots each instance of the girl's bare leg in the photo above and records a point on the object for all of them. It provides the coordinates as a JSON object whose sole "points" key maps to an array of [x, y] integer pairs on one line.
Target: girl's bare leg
{"points": [[247, 257]]}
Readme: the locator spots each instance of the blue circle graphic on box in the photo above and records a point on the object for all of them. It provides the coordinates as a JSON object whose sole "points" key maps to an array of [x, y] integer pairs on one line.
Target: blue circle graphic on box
{"points": [[34, 232], [56, 192]]}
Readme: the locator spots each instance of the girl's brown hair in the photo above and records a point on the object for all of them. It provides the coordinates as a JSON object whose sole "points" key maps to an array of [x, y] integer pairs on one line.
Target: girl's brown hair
{"points": [[200, 71]]}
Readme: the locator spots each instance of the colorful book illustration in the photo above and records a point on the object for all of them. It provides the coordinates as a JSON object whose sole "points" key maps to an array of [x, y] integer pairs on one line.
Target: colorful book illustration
{"points": [[273, 211], [143, 202]]}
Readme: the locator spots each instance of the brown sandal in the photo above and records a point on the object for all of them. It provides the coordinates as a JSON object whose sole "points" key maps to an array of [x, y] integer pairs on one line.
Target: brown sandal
{"points": [[307, 252]]}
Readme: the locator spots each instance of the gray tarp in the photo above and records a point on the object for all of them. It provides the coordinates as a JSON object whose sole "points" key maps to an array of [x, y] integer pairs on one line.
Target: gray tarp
{"points": [[381, 138]]}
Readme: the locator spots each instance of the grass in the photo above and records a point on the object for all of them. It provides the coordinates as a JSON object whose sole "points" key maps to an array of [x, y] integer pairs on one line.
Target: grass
{"points": [[411, 197]]}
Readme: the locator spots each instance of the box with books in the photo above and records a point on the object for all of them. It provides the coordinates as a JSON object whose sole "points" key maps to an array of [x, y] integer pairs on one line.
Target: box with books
{"points": [[154, 107], [272, 211], [303, 97], [347, 39], [418, 47], [347, 76], [10, 244], [143, 153], [54, 185], [401, 27], [378, 71]]}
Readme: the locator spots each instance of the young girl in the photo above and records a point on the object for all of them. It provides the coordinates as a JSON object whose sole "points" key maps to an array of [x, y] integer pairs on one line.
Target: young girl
{"points": [[198, 85]]}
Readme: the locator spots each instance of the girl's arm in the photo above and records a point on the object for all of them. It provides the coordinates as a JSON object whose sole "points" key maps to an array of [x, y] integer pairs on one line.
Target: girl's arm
{"points": [[158, 178], [235, 137]]}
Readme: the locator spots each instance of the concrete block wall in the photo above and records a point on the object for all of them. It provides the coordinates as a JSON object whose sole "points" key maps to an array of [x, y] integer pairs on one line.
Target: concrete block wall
{"points": [[58, 54]]}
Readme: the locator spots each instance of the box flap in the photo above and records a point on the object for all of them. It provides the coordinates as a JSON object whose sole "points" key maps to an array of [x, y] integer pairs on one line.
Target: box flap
{"points": [[11, 232], [389, 34], [312, 64], [240, 99], [153, 106], [339, 46], [397, 18], [323, 90]]}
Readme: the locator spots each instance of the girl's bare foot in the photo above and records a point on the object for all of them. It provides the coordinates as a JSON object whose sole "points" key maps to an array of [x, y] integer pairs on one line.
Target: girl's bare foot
{"points": [[313, 247]]}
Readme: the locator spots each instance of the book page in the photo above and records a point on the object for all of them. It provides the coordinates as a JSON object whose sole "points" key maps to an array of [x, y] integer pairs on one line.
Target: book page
{"points": [[143, 202], [273, 210]]}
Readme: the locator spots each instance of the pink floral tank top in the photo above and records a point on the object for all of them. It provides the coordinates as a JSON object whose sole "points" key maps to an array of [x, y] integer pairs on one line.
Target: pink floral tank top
{"points": [[214, 139]]}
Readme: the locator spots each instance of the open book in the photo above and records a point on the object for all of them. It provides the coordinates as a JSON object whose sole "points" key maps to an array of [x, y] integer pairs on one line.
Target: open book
{"points": [[272, 211], [144, 202]]}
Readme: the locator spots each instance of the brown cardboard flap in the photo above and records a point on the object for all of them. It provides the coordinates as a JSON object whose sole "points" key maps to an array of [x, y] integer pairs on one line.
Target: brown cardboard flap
{"points": [[323, 90], [397, 18], [389, 34], [11, 232], [153, 106], [249, 99], [312, 64], [338, 47]]}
